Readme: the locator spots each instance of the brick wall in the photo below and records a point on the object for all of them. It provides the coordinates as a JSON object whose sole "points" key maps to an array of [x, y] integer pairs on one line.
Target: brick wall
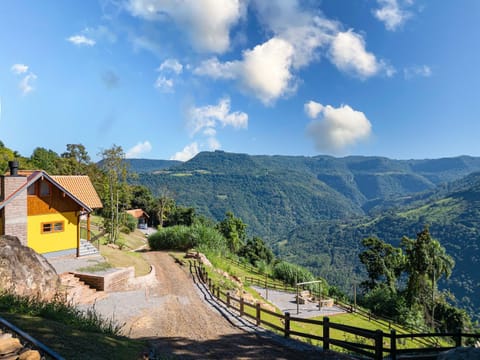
{"points": [[15, 212]]}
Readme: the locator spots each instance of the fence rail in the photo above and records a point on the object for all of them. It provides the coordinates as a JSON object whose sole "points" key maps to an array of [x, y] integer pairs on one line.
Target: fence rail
{"points": [[372, 345]]}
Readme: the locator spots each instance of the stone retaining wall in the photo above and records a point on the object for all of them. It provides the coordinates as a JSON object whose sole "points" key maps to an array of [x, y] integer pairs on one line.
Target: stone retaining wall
{"points": [[122, 279]]}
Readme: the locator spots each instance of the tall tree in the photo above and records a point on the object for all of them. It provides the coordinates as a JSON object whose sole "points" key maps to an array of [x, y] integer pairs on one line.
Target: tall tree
{"points": [[75, 161], [116, 194], [43, 159], [234, 230], [384, 263], [427, 261]]}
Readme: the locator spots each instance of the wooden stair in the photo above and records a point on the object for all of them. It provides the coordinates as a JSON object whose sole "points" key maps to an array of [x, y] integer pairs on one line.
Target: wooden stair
{"points": [[77, 292]]}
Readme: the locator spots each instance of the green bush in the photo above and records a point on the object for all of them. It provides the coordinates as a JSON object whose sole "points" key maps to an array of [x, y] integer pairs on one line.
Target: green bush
{"points": [[172, 238], [129, 224], [291, 273], [182, 238]]}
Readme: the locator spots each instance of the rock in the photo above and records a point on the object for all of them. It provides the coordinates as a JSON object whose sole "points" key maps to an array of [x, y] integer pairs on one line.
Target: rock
{"points": [[24, 272], [203, 260], [460, 353], [9, 345], [30, 355]]}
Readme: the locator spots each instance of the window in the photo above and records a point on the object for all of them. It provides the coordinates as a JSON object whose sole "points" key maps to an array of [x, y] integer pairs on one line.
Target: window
{"points": [[31, 189], [44, 188], [52, 227]]}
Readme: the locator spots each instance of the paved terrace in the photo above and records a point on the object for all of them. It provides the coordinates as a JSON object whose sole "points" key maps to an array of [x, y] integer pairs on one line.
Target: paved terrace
{"points": [[286, 302]]}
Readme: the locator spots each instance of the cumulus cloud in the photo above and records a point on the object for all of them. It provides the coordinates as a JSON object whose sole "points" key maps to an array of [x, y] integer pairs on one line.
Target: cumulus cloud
{"points": [[81, 40], [417, 71], [206, 24], [28, 77], [264, 70], [299, 37], [308, 31], [337, 128], [171, 65], [313, 108], [217, 70], [19, 68], [392, 14], [139, 149], [187, 153], [348, 53], [207, 118], [164, 84]]}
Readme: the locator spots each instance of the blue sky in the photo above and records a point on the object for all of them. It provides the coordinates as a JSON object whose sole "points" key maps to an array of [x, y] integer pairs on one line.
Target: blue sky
{"points": [[166, 79]]}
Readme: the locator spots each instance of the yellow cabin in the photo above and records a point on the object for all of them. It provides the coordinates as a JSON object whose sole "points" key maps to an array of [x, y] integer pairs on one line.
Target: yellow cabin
{"points": [[44, 211]]}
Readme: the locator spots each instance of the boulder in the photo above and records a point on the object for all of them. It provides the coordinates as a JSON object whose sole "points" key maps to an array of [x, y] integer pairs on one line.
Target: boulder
{"points": [[460, 353], [24, 272]]}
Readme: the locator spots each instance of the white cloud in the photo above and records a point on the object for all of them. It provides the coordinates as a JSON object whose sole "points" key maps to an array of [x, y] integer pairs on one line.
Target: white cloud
{"points": [[19, 68], [171, 65], [26, 83], [348, 53], [264, 70], [207, 118], [205, 22], [338, 128], [164, 84], [307, 31], [417, 71], [313, 108], [392, 14], [213, 144], [81, 40], [187, 153], [217, 70], [139, 149]]}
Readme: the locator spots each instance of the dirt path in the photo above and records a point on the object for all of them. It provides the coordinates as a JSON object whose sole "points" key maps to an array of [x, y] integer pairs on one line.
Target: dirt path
{"points": [[185, 327]]}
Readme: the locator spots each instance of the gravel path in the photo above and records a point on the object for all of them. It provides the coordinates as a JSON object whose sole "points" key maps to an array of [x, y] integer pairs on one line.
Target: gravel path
{"points": [[181, 320]]}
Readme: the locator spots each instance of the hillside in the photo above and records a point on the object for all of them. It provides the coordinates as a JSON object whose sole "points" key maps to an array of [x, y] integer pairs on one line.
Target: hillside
{"points": [[314, 211], [276, 194], [452, 212]]}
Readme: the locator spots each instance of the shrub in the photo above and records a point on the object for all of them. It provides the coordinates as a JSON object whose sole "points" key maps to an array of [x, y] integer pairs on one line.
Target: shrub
{"points": [[129, 224], [182, 237], [291, 273]]}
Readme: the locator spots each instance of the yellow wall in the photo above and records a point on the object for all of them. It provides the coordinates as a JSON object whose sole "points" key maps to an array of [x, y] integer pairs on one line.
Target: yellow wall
{"points": [[56, 241]]}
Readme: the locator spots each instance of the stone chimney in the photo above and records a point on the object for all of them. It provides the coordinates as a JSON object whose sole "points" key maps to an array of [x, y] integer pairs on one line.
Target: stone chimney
{"points": [[14, 214]]}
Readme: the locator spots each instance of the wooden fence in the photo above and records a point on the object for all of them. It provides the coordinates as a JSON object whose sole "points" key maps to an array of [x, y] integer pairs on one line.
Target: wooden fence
{"points": [[371, 344]]}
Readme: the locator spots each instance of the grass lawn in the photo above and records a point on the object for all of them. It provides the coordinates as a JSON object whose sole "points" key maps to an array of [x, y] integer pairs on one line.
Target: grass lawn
{"points": [[74, 344]]}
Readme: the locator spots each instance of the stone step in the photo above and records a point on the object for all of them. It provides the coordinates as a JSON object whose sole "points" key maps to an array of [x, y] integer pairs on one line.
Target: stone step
{"points": [[77, 292]]}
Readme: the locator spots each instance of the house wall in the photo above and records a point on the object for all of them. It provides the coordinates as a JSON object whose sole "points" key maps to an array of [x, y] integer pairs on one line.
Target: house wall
{"points": [[15, 212], [55, 241]]}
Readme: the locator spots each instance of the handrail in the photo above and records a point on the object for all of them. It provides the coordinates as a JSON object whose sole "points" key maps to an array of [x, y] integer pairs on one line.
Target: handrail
{"points": [[36, 344]]}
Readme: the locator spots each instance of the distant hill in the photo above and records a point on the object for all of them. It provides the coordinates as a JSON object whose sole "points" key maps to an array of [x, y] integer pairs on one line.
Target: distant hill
{"points": [[452, 213], [149, 165]]}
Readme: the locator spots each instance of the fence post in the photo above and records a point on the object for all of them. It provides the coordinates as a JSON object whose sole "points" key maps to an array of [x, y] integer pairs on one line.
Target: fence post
{"points": [[393, 344], [259, 312], [378, 345], [326, 333], [228, 299], [458, 338], [241, 305], [287, 324]]}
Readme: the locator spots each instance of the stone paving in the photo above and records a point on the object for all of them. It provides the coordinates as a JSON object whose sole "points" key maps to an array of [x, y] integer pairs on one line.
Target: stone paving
{"points": [[286, 302]]}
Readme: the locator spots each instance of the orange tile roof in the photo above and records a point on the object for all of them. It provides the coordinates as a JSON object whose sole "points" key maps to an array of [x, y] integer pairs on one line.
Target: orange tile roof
{"points": [[137, 213], [81, 187]]}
